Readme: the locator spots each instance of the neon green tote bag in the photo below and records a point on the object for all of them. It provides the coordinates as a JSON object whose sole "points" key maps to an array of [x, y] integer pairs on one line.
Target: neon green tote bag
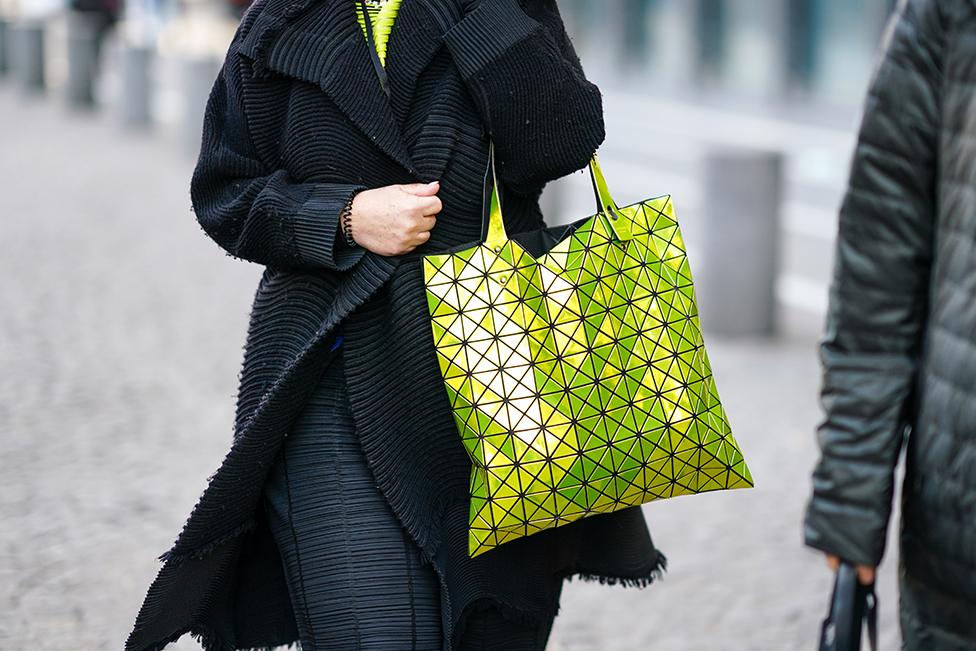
{"points": [[575, 366]]}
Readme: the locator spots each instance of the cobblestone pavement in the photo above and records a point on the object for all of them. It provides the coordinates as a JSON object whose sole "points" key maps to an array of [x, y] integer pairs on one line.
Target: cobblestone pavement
{"points": [[121, 328]]}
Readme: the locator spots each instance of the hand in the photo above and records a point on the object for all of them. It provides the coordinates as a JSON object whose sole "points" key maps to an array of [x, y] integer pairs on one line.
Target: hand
{"points": [[395, 219], [865, 573]]}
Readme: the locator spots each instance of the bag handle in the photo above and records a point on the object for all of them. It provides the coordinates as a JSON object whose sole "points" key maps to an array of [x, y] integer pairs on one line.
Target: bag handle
{"points": [[607, 209], [853, 606], [604, 202], [373, 54]]}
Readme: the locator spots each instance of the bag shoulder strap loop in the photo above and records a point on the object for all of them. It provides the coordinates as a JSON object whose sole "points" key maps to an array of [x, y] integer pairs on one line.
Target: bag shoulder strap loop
{"points": [[373, 54]]}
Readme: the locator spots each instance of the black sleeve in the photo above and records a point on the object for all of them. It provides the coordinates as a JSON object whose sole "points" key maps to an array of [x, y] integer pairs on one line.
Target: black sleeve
{"points": [[879, 293], [252, 209], [544, 116]]}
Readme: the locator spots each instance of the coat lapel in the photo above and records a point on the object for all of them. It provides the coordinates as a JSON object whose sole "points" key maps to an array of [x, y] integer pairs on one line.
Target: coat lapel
{"points": [[322, 43], [414, 41]]}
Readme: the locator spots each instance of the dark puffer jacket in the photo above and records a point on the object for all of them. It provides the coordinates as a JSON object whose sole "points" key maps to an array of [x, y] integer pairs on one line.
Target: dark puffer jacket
{"points": [[899, 354]]}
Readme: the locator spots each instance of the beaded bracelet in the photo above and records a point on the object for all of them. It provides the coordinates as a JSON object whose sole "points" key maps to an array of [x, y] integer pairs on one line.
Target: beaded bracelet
{"points": [[345, 217]]}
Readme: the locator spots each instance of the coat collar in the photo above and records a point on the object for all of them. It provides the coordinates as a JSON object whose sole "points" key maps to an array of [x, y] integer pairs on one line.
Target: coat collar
{"points": [[320, 41], [416, 37]]}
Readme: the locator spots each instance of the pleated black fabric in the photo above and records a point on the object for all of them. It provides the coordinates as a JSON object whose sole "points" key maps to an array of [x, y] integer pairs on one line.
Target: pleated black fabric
{"points": [[296, 122], [490, 630], [356, 579]]}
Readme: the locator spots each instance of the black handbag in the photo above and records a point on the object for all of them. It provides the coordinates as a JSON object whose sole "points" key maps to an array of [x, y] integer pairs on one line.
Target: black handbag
{"points": [[853, 606]]}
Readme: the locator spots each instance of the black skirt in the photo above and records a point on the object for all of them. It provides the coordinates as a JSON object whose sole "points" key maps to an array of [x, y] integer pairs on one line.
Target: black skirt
{"points": [[355, 577]]}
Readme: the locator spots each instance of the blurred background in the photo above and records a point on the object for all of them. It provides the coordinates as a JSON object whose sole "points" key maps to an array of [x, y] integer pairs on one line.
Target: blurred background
{"points": [[121, 324]]}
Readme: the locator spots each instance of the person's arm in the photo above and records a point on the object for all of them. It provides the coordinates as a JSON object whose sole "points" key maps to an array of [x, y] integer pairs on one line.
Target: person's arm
{"points": [[879, 293], [545, 117], [254, 210]]}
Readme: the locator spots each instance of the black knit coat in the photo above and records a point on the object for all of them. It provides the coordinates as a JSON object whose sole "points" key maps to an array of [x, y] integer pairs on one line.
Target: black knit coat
{"points": [[295, 123], [899, 354]]}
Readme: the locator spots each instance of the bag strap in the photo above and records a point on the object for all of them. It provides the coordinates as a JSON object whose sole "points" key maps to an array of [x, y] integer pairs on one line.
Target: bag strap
{"points": [[853, 606], [604, 202], [871, 615], [373, 54], [496, 236], [605, 205]]}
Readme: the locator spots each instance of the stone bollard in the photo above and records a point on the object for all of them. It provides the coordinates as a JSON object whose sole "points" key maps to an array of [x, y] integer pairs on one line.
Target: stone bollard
{"points": [[711, 40], [83, 30], [4, 46], [28, 55], [741, 236], [634, 45], [135, 85], [199, 73], [801, 50]]}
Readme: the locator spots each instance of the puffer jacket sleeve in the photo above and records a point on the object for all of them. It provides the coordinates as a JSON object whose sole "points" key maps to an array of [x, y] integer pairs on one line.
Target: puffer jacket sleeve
{"points": [[544, 116], [254, 209], [878, 295]]}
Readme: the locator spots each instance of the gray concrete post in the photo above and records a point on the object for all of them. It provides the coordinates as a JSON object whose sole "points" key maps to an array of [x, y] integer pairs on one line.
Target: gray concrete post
{"points": [[82, 58], [801, 50], [595, 29], [736, 277], [135, 85], [754, 42], [199, 73], [28, 55], [4, 46], [711, 39], [609, 57], [670, 42], [635, 42]]}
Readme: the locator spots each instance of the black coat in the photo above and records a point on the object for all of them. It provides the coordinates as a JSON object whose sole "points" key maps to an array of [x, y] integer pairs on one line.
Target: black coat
{"points": [[899, 354], [295, 123]]}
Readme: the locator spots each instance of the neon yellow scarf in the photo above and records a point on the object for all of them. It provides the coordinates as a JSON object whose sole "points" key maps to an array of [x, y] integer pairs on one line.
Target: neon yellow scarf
{"points": [[382, 18]]}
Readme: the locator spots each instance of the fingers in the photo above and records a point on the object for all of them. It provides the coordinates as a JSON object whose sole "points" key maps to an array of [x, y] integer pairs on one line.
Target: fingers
{"points": [[422, 197], [406, 214], [422, 189], [410, 240], [413, 229], [865, 574], [426, 205], [420, 238]]}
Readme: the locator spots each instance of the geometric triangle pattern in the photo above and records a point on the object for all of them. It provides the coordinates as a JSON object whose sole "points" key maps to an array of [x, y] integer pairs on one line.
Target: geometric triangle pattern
{"points": [[578, 380]]}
